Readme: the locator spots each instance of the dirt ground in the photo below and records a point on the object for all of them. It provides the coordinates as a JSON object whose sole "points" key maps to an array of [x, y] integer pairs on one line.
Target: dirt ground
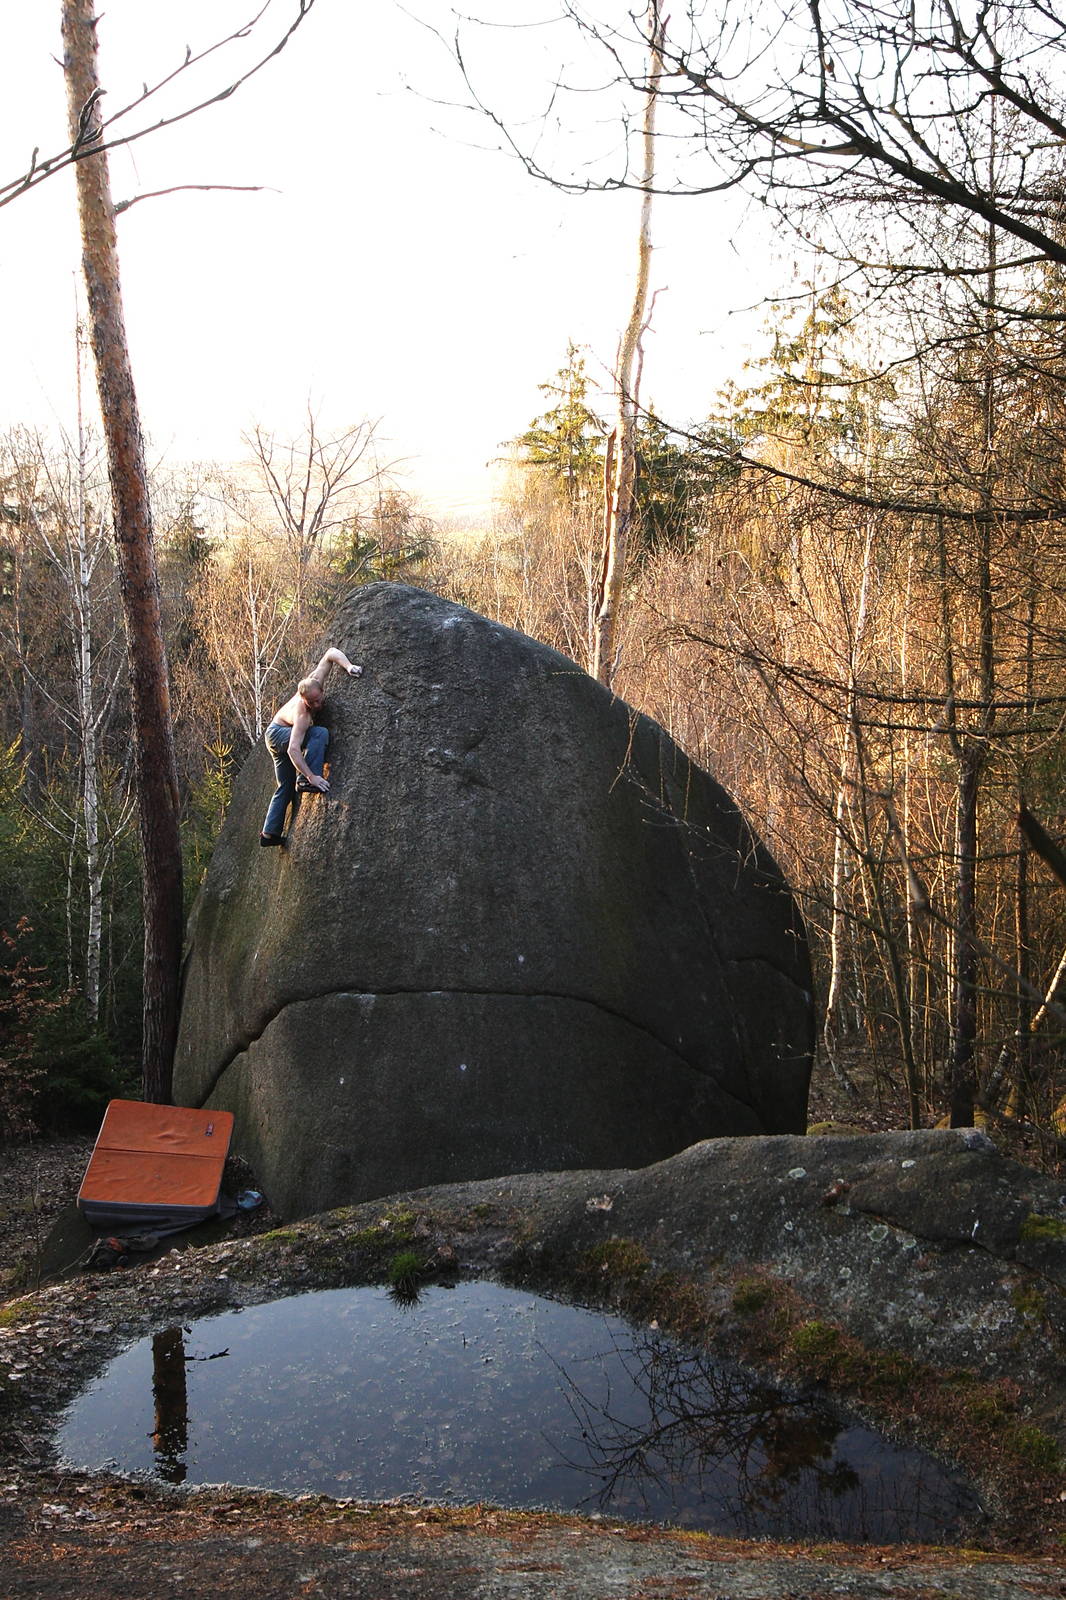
{"points": [[37, 1179], [69, 1540]]}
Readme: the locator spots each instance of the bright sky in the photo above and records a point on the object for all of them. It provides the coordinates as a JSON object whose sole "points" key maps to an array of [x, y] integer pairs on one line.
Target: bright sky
{"points": [[391, 267]]}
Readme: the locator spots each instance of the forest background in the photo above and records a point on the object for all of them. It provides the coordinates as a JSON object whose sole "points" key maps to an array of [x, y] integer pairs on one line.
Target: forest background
{"points": [[842, 594]]}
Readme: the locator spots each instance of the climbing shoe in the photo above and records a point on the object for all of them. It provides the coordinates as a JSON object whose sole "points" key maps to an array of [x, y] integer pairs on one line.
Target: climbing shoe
{"points": [[271, 838]]}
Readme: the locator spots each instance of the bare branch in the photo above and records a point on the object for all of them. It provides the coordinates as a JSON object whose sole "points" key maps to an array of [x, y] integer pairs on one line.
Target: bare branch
{"points": [[92, 133], [182, 188]]}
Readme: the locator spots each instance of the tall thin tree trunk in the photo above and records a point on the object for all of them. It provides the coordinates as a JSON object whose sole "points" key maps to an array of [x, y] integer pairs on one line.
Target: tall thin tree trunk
{"points": [[962, 955], [962, 1071], [914, 1017], [831, 1024], [81, 565], [257, 664], [155, 766], [620, 471], [29, 742], [1015, 1059], [68, 902]]}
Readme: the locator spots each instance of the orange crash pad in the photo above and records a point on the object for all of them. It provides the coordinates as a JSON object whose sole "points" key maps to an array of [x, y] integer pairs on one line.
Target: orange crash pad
{"points": [[156, 1168]]}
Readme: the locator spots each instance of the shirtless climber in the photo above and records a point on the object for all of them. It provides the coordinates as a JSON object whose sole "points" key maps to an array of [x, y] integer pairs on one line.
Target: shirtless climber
{"points": [[298, 745]]}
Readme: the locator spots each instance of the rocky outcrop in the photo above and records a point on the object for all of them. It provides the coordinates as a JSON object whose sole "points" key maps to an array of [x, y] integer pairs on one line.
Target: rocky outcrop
{"points": [[928, 1243], [523, 932]]}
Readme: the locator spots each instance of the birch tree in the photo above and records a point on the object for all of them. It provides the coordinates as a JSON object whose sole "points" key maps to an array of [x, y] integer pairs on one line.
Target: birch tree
{"points": [[66, 530], [245, 608], [620, 464]]}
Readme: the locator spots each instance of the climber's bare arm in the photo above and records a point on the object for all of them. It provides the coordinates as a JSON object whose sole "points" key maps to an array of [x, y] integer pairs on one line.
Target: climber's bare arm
{"points": [[300, 727], [333, 658]]}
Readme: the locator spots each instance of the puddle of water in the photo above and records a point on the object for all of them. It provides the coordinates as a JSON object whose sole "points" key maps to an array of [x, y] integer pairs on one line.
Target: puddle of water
{"points": [[485, 1393]]}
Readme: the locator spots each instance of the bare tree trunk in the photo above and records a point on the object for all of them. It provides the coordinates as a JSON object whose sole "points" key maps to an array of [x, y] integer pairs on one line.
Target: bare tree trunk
{"points": [[963, 1066], [620, 472], [962, 959], [851, 734], [919, 1089], [29, 742], [155, 766], [1023, 1066], [257, 664], [90, 783], [81, 573], [68, 902], [1004, 1063], [962, 1070]]}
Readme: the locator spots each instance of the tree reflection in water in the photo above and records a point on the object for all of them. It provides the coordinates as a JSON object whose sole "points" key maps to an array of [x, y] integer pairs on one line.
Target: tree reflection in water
{"points": [[170, 1437], [713, 1447], [463, 1397]]}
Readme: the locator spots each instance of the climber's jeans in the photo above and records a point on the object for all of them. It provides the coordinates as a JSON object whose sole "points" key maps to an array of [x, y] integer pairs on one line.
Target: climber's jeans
{"points": [[277, 742]]}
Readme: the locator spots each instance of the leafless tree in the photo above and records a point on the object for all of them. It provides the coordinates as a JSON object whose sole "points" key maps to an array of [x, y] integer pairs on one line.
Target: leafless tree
{"points": [[67, 534], [799, 98], [91, 135], [312, 483], [139, 117], [620, 468], [153, 738], [243, 608]]}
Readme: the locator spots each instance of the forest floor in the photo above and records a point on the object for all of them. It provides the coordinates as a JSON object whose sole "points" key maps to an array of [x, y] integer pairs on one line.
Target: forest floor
{"points": [[74, 1536], [39, 1178]]}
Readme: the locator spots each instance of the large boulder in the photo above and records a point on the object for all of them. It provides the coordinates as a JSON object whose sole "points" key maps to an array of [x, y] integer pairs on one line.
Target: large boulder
{"points": [[523, 932]]}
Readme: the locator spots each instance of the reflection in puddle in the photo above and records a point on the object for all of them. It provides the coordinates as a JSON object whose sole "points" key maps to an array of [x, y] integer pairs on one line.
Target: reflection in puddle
{"points": [[170, 1440], [486, 1393]]}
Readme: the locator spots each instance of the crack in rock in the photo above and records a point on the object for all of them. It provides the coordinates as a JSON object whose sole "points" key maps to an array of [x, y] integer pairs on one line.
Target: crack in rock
{"points": [[253, 1036]]}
